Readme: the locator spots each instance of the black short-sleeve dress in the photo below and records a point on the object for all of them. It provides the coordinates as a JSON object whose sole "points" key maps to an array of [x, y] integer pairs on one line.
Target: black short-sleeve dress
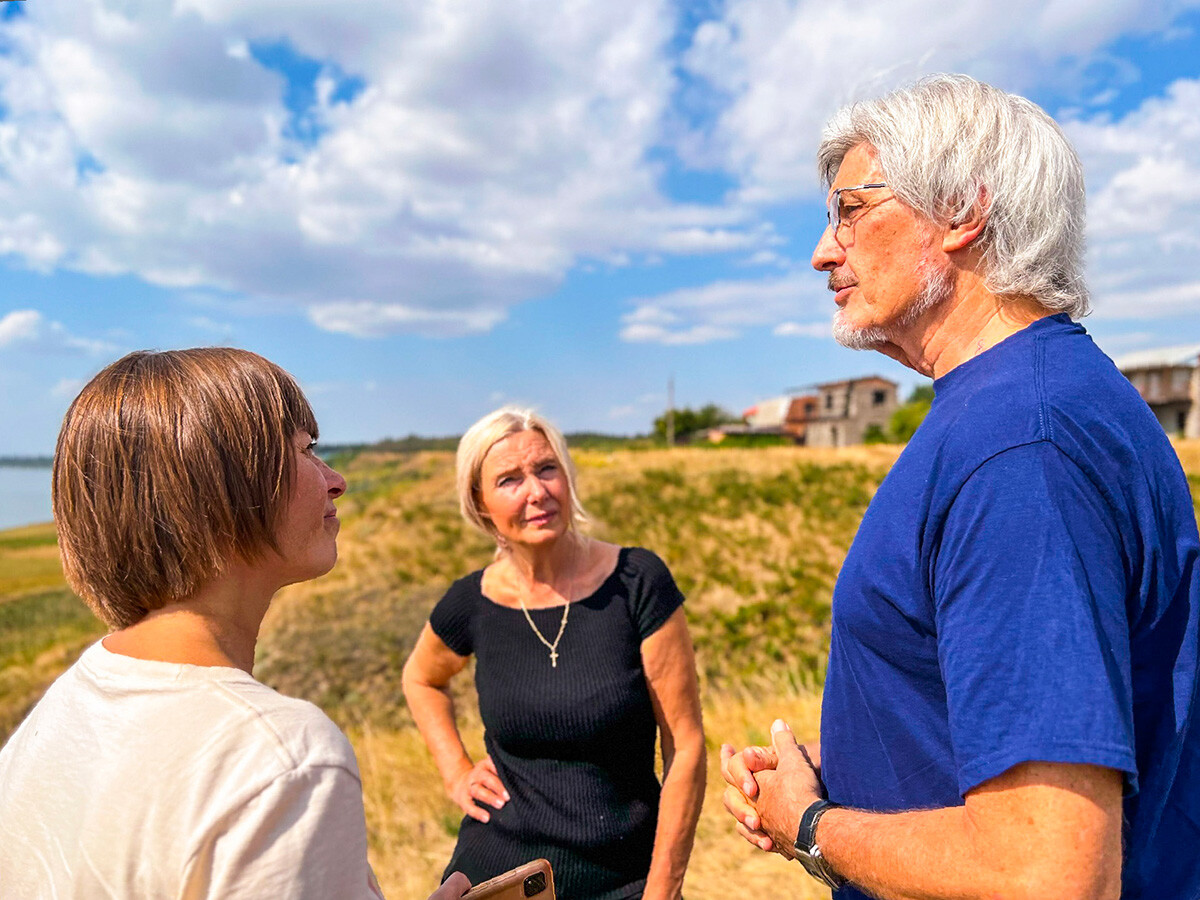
{"points": [[574, 744]]}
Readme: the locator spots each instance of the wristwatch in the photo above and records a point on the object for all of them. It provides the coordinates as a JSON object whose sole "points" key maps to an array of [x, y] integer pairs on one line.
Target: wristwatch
{"points": [[807, 851]]}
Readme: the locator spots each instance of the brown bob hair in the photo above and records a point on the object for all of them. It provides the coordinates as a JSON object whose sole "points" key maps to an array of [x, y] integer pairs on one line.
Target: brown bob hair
{"points": [[169, 463]]}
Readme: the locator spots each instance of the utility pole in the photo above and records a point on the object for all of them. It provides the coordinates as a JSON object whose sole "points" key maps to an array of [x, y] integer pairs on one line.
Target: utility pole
{"points": [[671, 411]]}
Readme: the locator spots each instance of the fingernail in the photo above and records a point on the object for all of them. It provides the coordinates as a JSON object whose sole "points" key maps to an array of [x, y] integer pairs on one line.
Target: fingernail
{"points": [[778, 725]]}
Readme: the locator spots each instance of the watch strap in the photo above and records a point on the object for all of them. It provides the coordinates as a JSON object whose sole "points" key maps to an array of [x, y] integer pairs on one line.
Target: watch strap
{"points": [[808, 853]]}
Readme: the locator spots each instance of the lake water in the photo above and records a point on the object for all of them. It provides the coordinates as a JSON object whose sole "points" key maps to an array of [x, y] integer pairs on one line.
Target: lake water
{"points": [[24, 495]]}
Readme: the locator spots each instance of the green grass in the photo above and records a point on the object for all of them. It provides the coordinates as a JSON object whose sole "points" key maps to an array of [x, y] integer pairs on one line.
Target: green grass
{"points": [[754, 538], [40, 635], [28, 561], [32, 624], [24, 538], [344, 651]]}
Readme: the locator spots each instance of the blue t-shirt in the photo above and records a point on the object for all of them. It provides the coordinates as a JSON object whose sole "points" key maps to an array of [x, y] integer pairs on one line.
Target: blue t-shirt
{"points": [[1024, 586]]}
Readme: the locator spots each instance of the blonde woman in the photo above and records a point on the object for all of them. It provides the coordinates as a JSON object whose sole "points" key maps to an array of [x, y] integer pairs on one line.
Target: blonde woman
{"points": [[583, 658], [186, 493]]}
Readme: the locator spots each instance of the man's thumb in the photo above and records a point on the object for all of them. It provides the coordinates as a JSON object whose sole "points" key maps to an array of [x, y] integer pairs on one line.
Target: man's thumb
{"points": [[782, 738]]}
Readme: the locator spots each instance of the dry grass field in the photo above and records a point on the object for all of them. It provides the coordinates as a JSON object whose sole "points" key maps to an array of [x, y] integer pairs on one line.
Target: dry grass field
{"points": [[754, 536]]}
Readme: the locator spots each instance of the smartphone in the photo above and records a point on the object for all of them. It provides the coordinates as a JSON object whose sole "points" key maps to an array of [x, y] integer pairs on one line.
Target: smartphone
{"points": [[534, 879]]}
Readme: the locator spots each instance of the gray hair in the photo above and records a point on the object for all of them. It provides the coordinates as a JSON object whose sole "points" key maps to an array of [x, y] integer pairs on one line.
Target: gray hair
{"points": [[485, 434], [949, 145]]}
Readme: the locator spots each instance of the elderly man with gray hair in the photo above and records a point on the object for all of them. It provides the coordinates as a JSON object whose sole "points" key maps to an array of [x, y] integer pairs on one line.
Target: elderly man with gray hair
{"points": [[1011, 697]]}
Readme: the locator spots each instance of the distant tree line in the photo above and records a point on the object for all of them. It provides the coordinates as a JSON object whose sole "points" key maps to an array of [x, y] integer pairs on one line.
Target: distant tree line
{"points": [[27, 462], [688, 420], [414, 443]]}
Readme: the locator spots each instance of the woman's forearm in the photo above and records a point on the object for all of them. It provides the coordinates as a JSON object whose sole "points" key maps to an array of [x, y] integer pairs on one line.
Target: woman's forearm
{"points": [[678, 812], [432, 709]]}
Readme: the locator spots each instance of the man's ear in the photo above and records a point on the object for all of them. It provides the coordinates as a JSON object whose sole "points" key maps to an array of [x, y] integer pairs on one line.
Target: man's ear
{"points": [[964, 233]]}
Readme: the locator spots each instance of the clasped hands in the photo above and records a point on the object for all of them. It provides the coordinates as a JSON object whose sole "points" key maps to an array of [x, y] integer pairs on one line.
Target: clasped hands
{"points": [[771, 787]]}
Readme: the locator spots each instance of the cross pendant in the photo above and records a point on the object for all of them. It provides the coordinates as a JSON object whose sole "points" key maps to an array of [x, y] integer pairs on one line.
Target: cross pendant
{"points": [[554, 659]]}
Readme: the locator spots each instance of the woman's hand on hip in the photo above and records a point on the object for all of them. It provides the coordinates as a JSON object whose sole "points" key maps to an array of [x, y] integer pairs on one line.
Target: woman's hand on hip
{"points": [[477, 787]]}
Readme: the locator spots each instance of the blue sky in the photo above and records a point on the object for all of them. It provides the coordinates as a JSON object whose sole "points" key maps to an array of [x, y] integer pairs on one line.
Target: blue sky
{"points": [[425, 210]]}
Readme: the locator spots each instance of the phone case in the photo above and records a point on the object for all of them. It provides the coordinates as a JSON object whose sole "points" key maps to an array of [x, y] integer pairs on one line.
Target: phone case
{"points": [[532, 880]]}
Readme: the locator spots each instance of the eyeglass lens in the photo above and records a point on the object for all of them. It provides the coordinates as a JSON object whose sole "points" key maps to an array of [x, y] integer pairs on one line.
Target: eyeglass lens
{"points": [[834, 214]]}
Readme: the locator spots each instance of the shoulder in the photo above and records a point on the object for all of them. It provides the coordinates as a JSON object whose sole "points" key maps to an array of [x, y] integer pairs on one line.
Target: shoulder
{"points": [[1048, 383], [638, 561], [467, 587], [451, 618], [283, 733], [649, 587], [643, 571], [462, 596]]}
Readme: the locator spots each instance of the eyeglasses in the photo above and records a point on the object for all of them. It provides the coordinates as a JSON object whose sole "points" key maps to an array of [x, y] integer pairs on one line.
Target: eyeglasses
{"points": [[836, 215]]}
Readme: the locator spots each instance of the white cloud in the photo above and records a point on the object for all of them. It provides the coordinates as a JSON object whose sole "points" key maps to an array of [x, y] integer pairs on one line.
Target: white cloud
{"points": [[19, 325], [366, 318], [494, 147], [204, 323], [67, 388], [786, 65], [720, 310], [30, 330], [706, 240], [1115, 344], [491, 148], [1143, 174], [803, 329]]}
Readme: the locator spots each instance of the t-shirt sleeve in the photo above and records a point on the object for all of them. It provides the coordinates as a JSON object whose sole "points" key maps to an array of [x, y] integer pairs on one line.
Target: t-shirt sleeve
{"points": [[1033, 639], [303, 837], [452, 616], [654, 595]]}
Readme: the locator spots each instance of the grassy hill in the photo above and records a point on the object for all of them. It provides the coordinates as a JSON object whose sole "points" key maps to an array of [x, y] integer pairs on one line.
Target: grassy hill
{"points": [[754, 537]]}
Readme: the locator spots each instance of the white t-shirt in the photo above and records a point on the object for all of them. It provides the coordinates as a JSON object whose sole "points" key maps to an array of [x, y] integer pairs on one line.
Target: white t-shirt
{"points": [[140, 779]]}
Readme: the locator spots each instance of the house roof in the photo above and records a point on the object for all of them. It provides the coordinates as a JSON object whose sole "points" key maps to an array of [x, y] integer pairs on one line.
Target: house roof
{"points": [[865, 378], [1182, 355]]}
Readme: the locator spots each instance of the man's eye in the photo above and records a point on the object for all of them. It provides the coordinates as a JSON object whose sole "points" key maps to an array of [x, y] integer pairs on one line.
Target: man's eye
{"points": [[848, 211], [548, 469]]}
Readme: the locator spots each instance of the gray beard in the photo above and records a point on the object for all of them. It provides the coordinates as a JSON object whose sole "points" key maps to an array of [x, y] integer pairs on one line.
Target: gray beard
{"points": [[938, 286]]}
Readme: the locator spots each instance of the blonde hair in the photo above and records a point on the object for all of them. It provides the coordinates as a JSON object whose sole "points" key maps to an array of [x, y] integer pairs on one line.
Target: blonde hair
{"points": [[486, 433], [167, 464]]}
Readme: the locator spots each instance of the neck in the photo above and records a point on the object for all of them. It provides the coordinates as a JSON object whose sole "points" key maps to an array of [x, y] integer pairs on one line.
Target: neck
{"points": [[548, 564], [966, 324], [218, 626]]}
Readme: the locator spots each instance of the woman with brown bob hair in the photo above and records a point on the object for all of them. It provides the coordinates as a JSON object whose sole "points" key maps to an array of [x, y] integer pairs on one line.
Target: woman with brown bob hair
{"points": [[186, 492], [583, 662]]}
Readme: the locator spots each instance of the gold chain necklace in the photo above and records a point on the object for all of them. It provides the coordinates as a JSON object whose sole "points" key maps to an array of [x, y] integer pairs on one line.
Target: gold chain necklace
{"points": [[553, 647]]}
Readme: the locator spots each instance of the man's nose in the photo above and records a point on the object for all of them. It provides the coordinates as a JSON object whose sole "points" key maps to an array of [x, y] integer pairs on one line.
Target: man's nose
{"points": [[828, 254]]}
